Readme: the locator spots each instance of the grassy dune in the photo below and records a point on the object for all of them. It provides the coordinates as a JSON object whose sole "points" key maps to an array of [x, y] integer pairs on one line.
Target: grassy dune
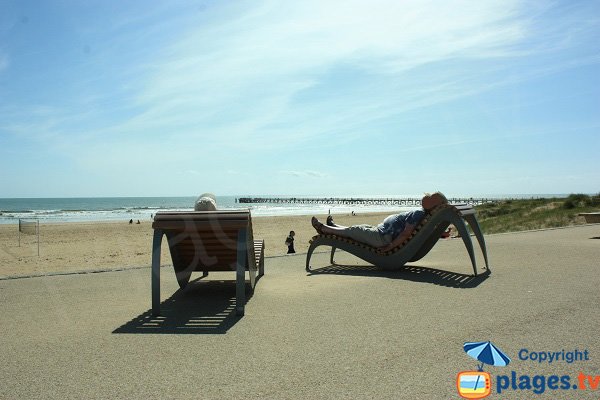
{"points": [[527, 214]]}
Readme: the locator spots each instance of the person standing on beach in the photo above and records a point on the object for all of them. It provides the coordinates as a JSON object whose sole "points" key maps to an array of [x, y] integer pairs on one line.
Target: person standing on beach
{"points": [[289, 242], [391, 232]]}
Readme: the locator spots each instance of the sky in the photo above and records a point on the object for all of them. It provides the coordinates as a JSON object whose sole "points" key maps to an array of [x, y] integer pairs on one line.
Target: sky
{"points": [[176, 98]]}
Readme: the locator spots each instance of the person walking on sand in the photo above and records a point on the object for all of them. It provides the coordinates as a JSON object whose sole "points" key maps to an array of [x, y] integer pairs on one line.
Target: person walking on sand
{"points": [[289, 242], [388, 234]]}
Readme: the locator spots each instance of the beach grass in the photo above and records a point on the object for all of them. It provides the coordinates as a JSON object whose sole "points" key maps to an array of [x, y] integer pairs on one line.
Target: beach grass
{"points": [[539, 213]]}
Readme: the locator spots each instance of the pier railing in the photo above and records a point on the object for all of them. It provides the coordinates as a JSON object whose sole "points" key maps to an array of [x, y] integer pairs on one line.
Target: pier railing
{"points": [[407, 201]]}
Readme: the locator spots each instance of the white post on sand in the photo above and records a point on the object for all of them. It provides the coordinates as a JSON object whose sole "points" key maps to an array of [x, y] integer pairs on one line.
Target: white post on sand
{"points": [[37, 229], [23, 225]]}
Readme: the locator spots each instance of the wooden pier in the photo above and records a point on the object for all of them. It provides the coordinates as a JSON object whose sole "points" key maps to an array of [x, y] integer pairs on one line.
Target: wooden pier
{"points": [[407, 201]]}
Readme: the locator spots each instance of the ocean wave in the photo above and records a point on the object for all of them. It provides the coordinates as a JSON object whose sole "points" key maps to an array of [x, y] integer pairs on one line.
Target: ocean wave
{"points": [[16, 211]]}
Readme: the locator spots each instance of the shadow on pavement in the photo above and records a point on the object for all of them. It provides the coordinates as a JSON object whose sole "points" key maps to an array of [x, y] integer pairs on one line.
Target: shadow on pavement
{"points": [[206, 307], [409, 273]]}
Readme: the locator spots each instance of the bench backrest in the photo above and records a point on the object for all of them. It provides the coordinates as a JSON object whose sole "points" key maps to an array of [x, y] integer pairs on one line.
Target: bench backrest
{"points": [[205, 240]]}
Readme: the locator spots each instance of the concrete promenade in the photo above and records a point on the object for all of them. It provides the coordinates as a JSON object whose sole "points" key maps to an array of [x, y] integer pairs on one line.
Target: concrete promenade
{"points": [[343, 332]]}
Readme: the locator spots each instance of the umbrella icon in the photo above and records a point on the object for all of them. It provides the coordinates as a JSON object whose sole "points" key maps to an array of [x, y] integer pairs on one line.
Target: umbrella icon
{"points": [[486, 353]]}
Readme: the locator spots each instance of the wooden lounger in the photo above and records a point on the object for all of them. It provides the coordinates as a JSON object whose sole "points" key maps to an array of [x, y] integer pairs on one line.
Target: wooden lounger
{"points": [[423, 238], [207, 241]]}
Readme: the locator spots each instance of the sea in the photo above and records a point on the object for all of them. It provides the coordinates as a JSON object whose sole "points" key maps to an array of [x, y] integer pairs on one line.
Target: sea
{"points": [[143, 208]]}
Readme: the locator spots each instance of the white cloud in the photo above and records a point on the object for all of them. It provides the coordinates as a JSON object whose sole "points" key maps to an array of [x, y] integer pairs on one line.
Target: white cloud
{"points": [[306, 174], [245, 74]]}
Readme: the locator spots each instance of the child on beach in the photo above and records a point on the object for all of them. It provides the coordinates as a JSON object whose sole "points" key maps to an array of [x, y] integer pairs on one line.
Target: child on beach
{"points": [[289, 242]]}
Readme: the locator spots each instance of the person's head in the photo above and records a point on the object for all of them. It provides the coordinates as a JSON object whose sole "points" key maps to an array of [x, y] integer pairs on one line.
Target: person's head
{"points": [[292, 233], [206, 202], [432, 200]]}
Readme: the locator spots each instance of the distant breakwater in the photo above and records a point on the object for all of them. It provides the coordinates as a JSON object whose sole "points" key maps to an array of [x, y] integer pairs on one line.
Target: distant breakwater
{"points": [[355, 201]]}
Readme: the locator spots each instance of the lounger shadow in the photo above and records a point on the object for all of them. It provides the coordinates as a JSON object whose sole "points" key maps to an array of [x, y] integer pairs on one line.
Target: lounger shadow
{"points": [[203, 307], [414, 273]]}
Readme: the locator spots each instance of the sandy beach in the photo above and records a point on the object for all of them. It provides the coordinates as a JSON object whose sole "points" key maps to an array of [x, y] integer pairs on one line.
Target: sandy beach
{"points": [[75, 246]]}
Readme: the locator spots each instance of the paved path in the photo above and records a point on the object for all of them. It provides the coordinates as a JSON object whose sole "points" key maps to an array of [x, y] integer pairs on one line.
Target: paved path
{"points": [[341, 333]]}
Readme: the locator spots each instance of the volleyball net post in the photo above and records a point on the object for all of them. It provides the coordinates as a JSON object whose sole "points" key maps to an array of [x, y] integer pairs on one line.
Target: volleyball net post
{"points": [[31, 227]]}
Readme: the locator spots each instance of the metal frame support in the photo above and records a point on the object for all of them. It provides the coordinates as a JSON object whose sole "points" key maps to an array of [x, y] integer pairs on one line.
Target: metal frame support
{"points": [[156, 245], [240, 287]]}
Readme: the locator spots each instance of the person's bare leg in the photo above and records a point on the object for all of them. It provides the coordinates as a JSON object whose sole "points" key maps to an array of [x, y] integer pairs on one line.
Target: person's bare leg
{"points": [[331, 230]]}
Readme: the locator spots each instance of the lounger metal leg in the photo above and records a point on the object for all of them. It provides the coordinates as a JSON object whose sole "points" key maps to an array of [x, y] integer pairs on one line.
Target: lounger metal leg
{"points": [[240, 287], [156, 244], [464, 234], [331, 256], [472, 220], [261, 264]]}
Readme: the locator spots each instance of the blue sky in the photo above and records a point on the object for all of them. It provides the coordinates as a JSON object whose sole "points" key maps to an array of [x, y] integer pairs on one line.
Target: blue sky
{"points": [[174, 98]]}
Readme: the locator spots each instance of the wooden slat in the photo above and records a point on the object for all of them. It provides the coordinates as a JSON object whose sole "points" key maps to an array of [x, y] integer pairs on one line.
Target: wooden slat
{"points": [[227, 242], [203, 254], [233, 223], [202, 220], [207, 250], [243, 211], [216, 258], [191, 248], [191, 226], [226, 224], [217, 212], [218, 267], [219, 258], [202, 216]]}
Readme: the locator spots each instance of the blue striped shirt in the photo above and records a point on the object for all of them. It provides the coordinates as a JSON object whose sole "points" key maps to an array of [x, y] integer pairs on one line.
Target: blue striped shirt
{"points": [[395, 224]]}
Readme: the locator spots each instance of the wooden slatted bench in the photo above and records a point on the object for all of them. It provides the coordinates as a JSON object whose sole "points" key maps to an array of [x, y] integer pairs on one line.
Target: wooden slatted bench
{"points": [[423, 238], [207, 241]]}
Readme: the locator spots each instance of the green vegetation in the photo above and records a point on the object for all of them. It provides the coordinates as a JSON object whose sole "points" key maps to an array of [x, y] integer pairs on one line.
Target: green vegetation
{"points": [[527, 214]]}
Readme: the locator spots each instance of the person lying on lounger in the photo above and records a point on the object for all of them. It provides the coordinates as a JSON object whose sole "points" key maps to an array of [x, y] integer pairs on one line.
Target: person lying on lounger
{"points": [[388, 234]]}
